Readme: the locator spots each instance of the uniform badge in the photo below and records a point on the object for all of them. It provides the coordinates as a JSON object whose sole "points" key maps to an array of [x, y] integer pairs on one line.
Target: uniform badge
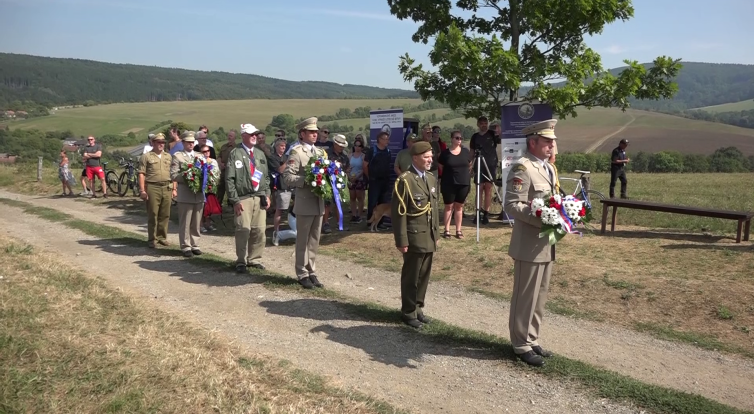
{"points": [[518, 167], [432, 190], [518, 184], [239, 164]]}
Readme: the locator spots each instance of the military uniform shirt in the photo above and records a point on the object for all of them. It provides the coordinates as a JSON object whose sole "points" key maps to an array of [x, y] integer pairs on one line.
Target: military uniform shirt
{"points": [[156, 168]]}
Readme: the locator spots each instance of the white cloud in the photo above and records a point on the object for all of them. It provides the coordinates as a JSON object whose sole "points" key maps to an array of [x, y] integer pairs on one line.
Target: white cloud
{"points": [[615, 49]]}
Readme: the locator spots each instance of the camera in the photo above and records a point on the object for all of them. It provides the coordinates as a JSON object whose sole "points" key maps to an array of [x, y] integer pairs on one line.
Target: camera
{"points": [[477, 152]]}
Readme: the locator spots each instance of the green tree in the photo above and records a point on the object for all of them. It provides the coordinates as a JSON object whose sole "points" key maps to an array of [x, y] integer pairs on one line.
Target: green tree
{"points": [[483, 61], [285, 122]]}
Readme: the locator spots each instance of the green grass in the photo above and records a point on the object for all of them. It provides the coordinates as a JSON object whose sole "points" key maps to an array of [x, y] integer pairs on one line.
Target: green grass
{"points": [[118, 118], [601, 382], [746, 105]]}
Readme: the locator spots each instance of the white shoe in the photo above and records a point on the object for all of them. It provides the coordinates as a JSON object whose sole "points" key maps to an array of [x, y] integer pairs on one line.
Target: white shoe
{"points": [[203, 229], [275, 238]]}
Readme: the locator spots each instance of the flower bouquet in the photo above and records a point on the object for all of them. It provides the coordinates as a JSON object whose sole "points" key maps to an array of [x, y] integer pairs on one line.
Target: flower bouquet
{"points": [[200, 176], [560, 215], [327, 179]]}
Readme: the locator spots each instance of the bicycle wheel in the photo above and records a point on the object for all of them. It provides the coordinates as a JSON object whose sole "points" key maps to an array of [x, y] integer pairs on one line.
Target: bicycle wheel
{"points": [[123, 184], [134, 186], [111, 178]]}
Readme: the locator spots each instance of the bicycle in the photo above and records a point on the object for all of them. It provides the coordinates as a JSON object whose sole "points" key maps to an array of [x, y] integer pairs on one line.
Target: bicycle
{"points": [[111, 178], [584, 194], [127, 178]]}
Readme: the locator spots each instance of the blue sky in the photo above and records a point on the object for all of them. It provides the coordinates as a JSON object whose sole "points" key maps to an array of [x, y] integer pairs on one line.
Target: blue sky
{"points": [[329, 40]]}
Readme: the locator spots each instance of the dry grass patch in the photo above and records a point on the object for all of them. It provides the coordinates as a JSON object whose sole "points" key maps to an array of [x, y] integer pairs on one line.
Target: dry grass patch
{"points": [[69, 343], [696, 284]]}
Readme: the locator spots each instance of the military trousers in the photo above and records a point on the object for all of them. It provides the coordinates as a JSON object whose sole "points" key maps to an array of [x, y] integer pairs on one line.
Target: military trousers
{"points": [[158, 210], [189, 222], [308, 231], [250, 238], [531, 283], [414, 281]]}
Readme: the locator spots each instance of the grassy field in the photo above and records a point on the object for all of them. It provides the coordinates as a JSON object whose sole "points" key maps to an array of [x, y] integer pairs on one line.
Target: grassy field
{"points": [[730, 107], [650, 131], [70, 343], [680, 277]]}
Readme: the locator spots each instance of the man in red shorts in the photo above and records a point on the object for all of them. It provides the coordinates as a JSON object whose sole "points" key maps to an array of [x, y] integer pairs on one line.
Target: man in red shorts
{"points": [[92, 155]]}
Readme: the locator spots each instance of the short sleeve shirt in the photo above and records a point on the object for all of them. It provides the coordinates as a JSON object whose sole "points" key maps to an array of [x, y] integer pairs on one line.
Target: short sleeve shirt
{"points": [[617, 155], [91, 149], [487, 144], [156, 168]]}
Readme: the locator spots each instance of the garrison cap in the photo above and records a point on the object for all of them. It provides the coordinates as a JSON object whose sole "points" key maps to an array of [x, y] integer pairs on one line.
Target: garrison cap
{"points": [[188, 136], [309, 124], [420, 148], [545, 129], [413, 138]]}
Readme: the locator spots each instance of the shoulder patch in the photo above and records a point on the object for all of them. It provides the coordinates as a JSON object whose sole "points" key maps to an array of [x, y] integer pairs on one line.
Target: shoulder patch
{"points": [[518, 167], [404, 174], [429, 173], [518, 184]]}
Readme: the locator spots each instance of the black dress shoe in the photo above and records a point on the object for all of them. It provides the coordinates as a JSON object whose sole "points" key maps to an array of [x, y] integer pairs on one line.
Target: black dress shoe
{"points": [[315, 281], [187, 253], [423, 319], [541, 352], [531, 358], [414, 323], [256, 266], [196, 252], [306, 283], [241, 268]]}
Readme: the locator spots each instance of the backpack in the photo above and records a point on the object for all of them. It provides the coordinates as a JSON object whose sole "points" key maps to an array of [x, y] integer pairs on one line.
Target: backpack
{"points": [[380, 165]]}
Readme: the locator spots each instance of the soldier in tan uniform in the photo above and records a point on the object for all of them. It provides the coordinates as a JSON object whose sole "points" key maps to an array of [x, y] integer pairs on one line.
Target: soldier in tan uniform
{"points": [[308, 208], [190, 204], [530, 177], [155, 188], [415, 229]]}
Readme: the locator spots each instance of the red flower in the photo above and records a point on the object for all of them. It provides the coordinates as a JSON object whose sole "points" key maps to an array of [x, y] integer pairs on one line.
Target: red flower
{"points": [[582, 213], [316, 162], [319, 177], [539, 213]]}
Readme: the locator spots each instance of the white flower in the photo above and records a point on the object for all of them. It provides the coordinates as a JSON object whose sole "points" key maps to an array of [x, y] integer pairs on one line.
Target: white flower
{"points": [[339, 186], [557, 198], [342, 173], [314, 183], [326, 162], [536, 204], [340, 180], [337, 164], [321, 170]]}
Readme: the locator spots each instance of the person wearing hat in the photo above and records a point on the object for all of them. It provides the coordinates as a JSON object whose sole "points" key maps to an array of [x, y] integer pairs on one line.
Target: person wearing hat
{"points": [[190, 204], [309, 208], [149, 145], [415, 229], [403, 158], [336, 153], [618, 168], [247, 183], [155, 187], [531, 176]]}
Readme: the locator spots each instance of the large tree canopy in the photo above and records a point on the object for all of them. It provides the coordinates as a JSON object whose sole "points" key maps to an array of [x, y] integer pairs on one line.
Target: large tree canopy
{"points": [[482, 61]]}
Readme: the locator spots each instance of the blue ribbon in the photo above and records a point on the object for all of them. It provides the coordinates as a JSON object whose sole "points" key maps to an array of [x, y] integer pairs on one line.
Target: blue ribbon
{"points": [[336, 196], [205, 169], [568, 219]]}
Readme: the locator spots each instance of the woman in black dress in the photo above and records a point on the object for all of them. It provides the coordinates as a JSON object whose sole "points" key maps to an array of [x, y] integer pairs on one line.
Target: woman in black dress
{"points": [[456, 181]]}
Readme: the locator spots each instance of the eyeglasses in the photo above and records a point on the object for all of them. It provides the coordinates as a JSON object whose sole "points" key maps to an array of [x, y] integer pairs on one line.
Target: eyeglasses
{"points": [[458, 138], [325, 132], [205, 151], [278, 136], [357, 146]]}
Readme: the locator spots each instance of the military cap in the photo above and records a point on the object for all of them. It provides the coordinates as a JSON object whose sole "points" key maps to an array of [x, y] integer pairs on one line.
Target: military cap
{"points": [[340, 140], [309, 124], [188, 136], [415, 138], [420, 148], [545, 129], [158, 137]]}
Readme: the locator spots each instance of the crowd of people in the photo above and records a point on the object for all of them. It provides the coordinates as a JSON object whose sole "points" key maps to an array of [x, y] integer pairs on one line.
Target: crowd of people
{"points": [[258, 180]]}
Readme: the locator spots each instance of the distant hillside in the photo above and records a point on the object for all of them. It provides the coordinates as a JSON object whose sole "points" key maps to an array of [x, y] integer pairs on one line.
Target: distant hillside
{"points": [[705, 84], [54, 81]]}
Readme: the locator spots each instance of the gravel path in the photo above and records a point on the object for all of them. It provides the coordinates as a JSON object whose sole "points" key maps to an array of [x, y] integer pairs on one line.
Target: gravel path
{"points": [[384, 360]]}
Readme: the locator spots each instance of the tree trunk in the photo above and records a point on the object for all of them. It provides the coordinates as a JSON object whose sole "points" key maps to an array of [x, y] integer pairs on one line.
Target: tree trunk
{"points": [[515, 8]]}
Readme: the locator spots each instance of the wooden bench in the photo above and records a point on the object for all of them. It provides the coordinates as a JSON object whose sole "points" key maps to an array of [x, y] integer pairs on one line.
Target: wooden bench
{"points": [[743, 217]]}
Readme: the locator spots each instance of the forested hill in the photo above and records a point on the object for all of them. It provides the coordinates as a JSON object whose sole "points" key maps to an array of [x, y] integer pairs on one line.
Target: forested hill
{"points": [[55, 81], [705, 84]]}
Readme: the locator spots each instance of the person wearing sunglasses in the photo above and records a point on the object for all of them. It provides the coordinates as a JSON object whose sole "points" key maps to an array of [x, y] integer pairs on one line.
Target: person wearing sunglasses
{"points": [[357, 183]]}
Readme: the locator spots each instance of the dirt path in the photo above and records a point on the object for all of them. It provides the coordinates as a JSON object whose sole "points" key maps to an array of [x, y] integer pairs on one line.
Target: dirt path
{"points": [[472, 380], [608, 136]]}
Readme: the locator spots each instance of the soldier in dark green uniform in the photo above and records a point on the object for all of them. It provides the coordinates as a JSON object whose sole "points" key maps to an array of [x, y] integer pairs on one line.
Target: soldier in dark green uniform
{"points": [[155, 188], [415, 227]]}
